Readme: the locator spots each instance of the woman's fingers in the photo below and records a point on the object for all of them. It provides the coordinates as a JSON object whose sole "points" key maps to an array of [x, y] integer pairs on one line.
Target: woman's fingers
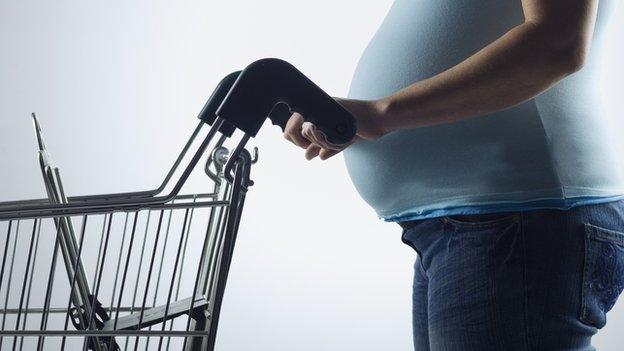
{"points": [[324, 154], [307, 132], [312, 151], [307, 136], [316, 136], [293, 133]]}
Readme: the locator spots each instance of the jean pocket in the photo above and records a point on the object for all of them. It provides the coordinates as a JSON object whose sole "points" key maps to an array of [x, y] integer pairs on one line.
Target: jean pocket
{"points": [[603, 273]]}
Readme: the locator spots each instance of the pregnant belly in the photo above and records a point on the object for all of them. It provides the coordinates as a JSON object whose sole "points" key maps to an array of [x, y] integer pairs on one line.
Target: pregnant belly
{"points": [[480, 156]]}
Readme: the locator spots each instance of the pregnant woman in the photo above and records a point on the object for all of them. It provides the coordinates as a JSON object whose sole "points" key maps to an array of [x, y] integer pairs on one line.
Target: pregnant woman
{"points": [[482, 132]]}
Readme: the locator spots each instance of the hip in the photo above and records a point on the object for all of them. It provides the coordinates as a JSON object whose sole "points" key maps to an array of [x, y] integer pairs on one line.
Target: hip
{"points": [[551, 275]]}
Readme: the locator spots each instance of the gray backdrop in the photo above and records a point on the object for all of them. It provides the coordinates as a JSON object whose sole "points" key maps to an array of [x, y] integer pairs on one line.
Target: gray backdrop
{"points": [[117, 86]]}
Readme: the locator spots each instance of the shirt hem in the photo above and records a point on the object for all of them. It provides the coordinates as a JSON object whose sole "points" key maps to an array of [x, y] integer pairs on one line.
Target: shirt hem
{"points": [[491, 203]]}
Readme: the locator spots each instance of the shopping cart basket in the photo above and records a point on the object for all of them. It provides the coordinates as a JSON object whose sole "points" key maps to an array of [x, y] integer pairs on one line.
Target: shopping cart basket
{"points": [[147, 270]]}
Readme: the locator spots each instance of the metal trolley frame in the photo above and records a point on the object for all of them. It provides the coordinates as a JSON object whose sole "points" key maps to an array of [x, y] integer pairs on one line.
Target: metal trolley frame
{"points": [[147, 269]]}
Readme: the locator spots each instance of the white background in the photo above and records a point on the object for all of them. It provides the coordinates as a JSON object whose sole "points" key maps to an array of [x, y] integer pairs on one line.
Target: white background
{"points": [[117, 86]]}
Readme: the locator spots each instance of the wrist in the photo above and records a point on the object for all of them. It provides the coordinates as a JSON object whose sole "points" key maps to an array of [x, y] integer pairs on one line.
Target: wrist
{"points": [[383, 111], [368, 116]]}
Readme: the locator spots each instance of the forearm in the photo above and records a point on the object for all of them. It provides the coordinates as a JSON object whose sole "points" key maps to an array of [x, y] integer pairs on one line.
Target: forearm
{"points": [[519, 65]]}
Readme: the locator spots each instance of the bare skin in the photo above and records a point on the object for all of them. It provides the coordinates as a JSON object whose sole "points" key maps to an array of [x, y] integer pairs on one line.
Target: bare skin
{"points": [[552, 43]]}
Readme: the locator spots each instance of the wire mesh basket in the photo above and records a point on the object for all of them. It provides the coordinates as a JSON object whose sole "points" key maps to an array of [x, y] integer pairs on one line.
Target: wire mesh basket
{"points": [[112, 272]]}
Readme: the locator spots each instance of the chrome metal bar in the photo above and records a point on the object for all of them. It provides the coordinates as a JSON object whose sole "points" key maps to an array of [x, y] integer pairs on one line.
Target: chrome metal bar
{"points": [[100, 211], [203, 268], [188, 233], [84, 309], [67, 209], [32, 276], [241, 180], [71, 236], [58, 310], [107, 197], [99, 256], [123, 239], [217, 235], [125, 272], [8, 289], [4, 255], [155, 315], [162, 260], [213, 260], [162, 257], [48, 296], [205, 265], [99, 333], [217, 274], [138, 275], [25, 281], [98, 281], [177, 293], [151, 266], [85, 344], [194, 343], [173, 275], [136, 283], [149, 276], [80, 292]]}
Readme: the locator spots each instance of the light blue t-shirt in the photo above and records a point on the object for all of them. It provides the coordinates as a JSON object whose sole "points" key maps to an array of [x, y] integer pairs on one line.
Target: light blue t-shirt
{"points": [[558, 150]]}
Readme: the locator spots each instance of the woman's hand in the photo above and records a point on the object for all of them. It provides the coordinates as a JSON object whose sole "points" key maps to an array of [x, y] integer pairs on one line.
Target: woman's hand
{"points": [[368, 120]]}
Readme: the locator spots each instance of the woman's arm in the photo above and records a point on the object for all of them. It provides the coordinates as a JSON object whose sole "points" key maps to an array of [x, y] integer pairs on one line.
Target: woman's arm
{"points": [[552, 43]]}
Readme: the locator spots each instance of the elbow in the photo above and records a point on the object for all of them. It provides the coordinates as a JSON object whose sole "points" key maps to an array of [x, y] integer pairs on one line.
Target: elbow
{"points": [[565, 49], [571, 58]]}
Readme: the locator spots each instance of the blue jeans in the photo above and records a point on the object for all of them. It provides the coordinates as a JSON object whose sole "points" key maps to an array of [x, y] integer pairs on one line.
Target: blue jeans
{"points": [[526, 280]]}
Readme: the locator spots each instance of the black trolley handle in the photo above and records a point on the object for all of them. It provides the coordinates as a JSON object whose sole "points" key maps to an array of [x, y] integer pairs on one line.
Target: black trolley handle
{"points": [[263, 90], [208, 113]]}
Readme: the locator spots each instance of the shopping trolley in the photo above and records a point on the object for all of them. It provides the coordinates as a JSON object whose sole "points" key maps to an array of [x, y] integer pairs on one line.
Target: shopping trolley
{"points": [[147, 270]]}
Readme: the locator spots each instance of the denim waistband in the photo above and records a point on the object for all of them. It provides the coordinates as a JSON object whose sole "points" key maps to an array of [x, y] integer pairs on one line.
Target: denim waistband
{"points": [[467, 218]]}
